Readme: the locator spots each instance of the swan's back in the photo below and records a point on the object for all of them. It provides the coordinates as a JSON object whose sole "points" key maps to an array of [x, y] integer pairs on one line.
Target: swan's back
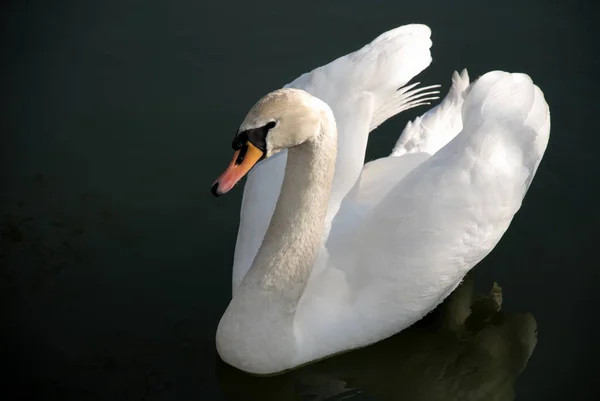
{"points": [[415, 246]]}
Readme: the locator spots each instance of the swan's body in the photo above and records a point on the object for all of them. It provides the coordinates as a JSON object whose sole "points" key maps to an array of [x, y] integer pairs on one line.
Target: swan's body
{"points": [[335, 254]]}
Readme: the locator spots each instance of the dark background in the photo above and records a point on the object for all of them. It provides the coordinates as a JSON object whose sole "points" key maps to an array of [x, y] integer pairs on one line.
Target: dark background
{"points": [[116, 116]]}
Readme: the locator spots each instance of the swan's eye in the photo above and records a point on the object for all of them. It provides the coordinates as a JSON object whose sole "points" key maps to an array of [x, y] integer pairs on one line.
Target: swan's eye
{"points": [[239, 140], [256, 136], [241, 156]]}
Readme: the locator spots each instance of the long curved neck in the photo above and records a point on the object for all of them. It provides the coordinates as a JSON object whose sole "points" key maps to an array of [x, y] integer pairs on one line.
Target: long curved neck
{"points": [[257, 331], [285, 259]]}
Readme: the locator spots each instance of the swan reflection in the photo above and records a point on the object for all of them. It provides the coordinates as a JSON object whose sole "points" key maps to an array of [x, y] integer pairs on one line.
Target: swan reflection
{"points": [[467, 349]]}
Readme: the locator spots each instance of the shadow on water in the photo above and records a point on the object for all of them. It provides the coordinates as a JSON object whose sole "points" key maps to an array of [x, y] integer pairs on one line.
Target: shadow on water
{"points": [[467, 349]]}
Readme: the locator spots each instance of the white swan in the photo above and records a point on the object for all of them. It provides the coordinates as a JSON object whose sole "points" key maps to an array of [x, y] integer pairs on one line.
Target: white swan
{"points": [[335, 254]]}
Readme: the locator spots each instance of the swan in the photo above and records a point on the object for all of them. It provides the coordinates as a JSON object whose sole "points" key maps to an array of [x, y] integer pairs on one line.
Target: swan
{"points": [[334, 254]]}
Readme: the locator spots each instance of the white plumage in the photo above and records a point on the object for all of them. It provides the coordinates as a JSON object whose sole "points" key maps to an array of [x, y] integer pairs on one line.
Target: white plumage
{"points": [[400, 232]]}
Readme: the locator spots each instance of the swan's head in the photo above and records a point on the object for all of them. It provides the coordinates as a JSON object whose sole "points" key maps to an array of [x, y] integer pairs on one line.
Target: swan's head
{"points": [[282, 119]]}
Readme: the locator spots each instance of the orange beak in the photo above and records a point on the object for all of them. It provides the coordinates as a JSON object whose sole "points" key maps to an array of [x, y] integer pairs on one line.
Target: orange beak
{"points": [[243, 161]]}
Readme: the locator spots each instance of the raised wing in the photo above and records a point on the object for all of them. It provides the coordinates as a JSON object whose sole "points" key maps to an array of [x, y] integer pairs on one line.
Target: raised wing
{"points": [[419, 140], [415, 246]]}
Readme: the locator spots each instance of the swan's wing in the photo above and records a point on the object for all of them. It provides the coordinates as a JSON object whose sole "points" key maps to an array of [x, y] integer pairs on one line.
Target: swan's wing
{"points": [[419, 140], [361, 88], [444, 217], [450, 211]]}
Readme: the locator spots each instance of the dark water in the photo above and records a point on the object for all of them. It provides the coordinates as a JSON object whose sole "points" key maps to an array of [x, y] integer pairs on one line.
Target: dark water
{"points": [[117, 116]]}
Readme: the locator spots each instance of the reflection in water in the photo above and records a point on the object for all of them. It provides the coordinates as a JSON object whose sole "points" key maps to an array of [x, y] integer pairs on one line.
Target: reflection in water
{"points": [[467, 349]]}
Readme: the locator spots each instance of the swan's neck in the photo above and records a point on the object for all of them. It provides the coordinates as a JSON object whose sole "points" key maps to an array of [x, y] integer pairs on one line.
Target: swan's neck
{"points": [[257, 332], [284, 261]]}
